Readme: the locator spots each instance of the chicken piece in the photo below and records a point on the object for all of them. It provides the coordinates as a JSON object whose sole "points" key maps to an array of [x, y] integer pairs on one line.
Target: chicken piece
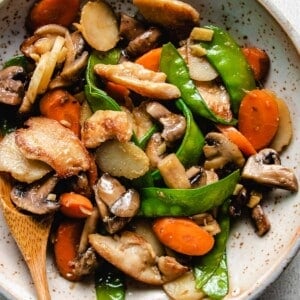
{"points": [[168, 13], [15, 163], [47, 140], [139, 79], [104, 125], [130, 249]]}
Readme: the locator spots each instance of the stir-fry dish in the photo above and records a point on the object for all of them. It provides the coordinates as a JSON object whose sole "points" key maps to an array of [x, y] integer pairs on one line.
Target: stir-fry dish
{"points": [[144, 136]]}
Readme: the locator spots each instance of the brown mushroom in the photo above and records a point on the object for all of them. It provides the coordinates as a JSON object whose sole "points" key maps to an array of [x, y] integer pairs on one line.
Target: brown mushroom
{"points": [[219, 152], [264, 168], [36, 197], [11, 85], [260, 219], [174, 124], [130, 28], [156, 149]]}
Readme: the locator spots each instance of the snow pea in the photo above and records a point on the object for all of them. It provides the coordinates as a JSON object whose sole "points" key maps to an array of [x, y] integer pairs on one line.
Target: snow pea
{"points": [[193, 141], [227, 58], [109, 283], [211, 273], [97, 98], [157, 202], [174, 66]]}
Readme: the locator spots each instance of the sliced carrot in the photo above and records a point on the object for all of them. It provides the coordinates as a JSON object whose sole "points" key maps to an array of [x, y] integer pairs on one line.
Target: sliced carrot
{"points": [[258, 61], [258, 117], [65, 247], [237, 138], [75, 205], [117, 91], [61, 106], [53, 12], [183, 236], [150, 59]]}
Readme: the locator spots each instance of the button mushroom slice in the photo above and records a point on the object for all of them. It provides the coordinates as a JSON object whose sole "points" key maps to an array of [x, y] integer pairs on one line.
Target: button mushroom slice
{"points": [[129, 249], [207, 222], [127, 205], [156, 149], [104, 125], [143, 43], [265, 168], [11, 87], [139, 79], [14, 162], [174, 124], [260, 219], [36, 198], [47, 140], [130, 28], [220, 151]]}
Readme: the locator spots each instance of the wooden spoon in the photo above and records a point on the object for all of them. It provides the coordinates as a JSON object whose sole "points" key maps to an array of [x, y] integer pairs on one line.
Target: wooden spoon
{"points": [[31, 235]]}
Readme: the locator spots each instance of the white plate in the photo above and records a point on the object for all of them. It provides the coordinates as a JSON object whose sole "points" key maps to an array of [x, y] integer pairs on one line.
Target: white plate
{"points": [[253, 262]]}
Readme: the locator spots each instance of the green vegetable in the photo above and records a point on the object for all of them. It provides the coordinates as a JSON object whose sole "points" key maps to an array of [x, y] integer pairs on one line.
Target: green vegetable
{"points": [[193, 141], [96, 97], [227, 58], [18, 60], [157, 202], [109, 283], [211, 274], [174, 66]]}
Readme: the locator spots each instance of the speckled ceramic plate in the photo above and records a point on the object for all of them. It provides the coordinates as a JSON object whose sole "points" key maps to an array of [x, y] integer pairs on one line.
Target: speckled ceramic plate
{"points": [[253, 262]]}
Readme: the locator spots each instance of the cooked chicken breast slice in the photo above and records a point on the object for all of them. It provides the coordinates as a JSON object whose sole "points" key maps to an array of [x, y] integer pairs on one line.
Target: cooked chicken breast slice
{"points": [[132, 254], [14, 162], [139, 79], [47, 140]]}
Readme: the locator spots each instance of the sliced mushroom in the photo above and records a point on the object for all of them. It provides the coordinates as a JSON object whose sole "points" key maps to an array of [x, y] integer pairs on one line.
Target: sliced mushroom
{"points": [[116, 204], [36, 198], [143, 43], [104, 125], [130, 28], [260, 219], [129, 249], [219, 152], [156, 149], [11, 87], [265, 168], [174, 124], [47, 140], [207, 222], [198, 176]]}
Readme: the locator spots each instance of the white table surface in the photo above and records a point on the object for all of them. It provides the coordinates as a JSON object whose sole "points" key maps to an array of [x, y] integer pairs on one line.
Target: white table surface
{"points": [[287, 286]]}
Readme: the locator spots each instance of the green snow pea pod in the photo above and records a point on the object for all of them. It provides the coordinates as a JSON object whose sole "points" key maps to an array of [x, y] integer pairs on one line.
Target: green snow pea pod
{"points": [[174, 66], [193, 141], [211, 274], [109, 283], [157, 202], [96, 97], [227, 58]]}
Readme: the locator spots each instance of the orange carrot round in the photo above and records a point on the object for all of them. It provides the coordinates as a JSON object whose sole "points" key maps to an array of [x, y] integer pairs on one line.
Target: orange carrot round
{"points": [[258, 117], [258, 61], [150, 59], [183, 236], [61, 106], [75, 205], [53, 12], [65, 247], [237, 138]]}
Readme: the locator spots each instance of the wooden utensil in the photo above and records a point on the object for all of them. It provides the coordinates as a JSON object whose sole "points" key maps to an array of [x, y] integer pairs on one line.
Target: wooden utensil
{"points": [[31, 235]]}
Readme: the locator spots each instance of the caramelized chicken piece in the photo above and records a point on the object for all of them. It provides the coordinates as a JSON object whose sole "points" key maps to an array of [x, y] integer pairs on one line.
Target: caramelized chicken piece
{"points": [[47, 140], [104, 125], [139, 79], [132, 254]]}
